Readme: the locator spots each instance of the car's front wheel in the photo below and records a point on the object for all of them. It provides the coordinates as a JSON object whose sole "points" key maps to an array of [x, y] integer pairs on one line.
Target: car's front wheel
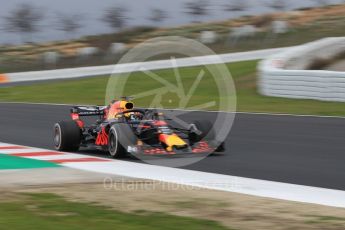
{"points": [[200, 130], [120, 137], [203, 130]]}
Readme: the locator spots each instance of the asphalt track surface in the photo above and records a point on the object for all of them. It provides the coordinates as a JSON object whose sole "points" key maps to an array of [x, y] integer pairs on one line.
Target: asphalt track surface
{"points": [[293, 149]]}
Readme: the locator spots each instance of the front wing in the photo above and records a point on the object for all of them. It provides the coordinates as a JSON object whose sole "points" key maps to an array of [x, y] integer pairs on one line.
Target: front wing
{"points": [[202, 147]]}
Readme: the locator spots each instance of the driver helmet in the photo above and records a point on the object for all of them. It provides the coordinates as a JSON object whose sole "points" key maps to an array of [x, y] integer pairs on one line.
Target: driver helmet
{"points": [[133, 116]]}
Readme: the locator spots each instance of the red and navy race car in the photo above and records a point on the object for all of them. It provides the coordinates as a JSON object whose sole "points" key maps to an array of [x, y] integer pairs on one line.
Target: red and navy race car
{"points": [[122, 129]]}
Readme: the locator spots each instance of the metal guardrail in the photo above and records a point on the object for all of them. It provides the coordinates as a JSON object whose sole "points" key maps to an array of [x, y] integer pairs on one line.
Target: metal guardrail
{"points": [[124, 68], [322, 85]]}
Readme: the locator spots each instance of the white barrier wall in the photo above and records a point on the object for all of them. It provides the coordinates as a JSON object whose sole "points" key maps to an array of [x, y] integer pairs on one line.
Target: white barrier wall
{"points": [[125, 68], [275, 80]]}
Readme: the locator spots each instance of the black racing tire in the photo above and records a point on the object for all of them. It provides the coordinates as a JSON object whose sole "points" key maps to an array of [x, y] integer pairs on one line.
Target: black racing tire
{"points": [[67, 136], [120, 137], [201, 130], [221, 148]]}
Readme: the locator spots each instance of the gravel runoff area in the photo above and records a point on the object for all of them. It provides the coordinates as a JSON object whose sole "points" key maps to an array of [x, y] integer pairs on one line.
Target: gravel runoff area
{"points": [[132, 195]]}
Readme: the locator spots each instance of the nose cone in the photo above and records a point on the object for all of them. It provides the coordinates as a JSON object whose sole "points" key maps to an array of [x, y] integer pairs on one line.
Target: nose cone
{"points": [[172, 141]]}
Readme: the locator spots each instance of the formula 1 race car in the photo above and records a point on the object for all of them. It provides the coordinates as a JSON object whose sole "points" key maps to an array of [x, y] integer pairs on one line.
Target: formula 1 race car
{"points": [[121, 129]]}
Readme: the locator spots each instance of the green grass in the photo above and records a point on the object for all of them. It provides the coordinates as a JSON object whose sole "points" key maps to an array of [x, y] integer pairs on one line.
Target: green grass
{"points": [[47, 211], [92, 91], [331, 220]]}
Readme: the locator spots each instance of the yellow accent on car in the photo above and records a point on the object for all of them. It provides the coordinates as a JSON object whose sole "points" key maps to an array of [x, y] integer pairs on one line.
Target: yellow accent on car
{"points": [[140, 143], [174, 140], [117, 107]]}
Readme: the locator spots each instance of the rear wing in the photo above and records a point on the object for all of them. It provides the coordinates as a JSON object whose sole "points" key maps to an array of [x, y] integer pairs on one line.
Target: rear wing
{"points": [[86, 111]]}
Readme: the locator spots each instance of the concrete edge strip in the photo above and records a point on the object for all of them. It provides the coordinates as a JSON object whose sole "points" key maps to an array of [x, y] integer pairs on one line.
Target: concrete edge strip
{"points": [[255, 187], [187, 178]]}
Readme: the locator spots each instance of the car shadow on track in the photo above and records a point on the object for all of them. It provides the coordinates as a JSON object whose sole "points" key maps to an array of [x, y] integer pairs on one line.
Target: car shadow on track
{"points": [[129, 157]]}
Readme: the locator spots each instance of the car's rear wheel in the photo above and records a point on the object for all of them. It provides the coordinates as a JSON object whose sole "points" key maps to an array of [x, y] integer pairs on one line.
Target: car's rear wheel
{"points": [[67, 136], [120, 137]]}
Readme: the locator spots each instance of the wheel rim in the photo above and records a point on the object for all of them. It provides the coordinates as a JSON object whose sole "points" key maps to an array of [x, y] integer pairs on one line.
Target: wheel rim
{"points": [[57, 136], [112, 143]]}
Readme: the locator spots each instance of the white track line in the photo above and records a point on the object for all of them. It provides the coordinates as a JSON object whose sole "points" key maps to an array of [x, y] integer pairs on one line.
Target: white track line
{"points": [[262, 188], [58, 157], [204, 111], [26, 150]]}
